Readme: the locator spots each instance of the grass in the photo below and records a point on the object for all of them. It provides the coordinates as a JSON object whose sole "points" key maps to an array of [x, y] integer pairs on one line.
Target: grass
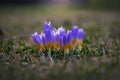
{"points": [[98, 59]]}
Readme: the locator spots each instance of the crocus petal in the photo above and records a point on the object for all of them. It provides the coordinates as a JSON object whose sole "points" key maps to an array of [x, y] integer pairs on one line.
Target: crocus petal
{"points": [[56, 43], [47, 26], [64, 39], [57, 35], [74, 31], [62, 31], [36, 38], [61, 41], [55, 30], [80, 34], [53, 36], [69, 36], [48, 35], [43, 38]]}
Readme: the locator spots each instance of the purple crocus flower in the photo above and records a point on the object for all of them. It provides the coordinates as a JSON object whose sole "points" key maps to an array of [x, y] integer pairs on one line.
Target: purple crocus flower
{"points": [[64, 39], [36, 38], [55, 30], [53, 36], [48, 35], [62, 31], [47, 30], [69, 36], [74, 31], [57, 35], [58, 38], [47, 26], [80, 34], [43, 38]]}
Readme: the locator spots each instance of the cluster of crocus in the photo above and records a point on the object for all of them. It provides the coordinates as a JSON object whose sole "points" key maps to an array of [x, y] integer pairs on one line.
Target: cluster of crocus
{"points": [[58, 38]]}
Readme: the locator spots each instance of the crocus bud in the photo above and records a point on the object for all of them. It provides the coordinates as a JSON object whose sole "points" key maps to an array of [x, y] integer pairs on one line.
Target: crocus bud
{"points": [[74, 31], [80, 36]]}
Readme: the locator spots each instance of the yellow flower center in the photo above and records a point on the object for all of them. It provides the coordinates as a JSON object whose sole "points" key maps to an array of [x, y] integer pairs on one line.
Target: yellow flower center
{"points": [[80, 42], [56, 44], [73, 41], [39, 45], [66, 46], [48, 44]]}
